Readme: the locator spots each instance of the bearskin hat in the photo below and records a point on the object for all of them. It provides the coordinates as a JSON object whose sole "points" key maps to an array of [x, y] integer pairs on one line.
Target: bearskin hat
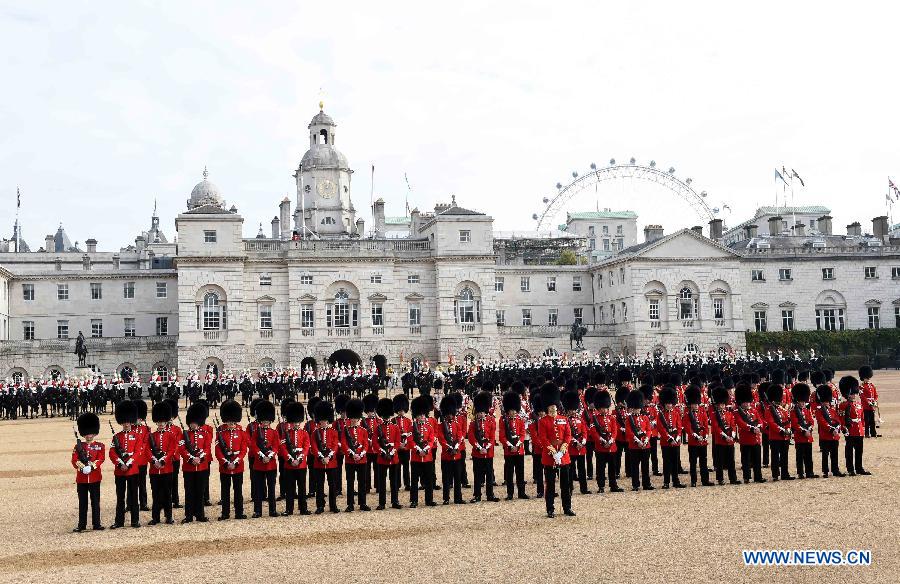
{"points": [[692, 394], [743, 393], [816, 378], [829, 374], [481, 402], [800, 392], [173, 406], [401, 403], [126, 412], [570, 385], [775, 392], [602, 399], [720, 395], [848, 385], [622, 395], [777, 376], [668, 396], [824, 394], [763, 391], [292, 412], [647, 379], [647, 391], [623, 375], [161, 412], [424, 389], [518, 387], [589, 394], [265, 411], [512, 401], [438, 383], [803, 375], [571, 400], [141, 409], [284, 404], [311, 405], [549, 394], [447, 406], [205, 405], [865, 372], [370, 402], [88, 423], [421, 406], [340, 402], [635, 399], [728, 382], [324, 411], [253, 404], [384, 408], [196, 414], [675, 379], [230, 411], [354, 409], [458, 396], [537, 403]]}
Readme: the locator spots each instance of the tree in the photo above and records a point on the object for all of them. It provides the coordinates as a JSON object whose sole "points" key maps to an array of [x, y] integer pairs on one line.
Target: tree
{"points": [[567, 258]]}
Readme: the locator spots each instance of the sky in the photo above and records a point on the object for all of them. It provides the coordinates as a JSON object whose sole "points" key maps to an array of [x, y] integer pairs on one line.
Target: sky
{"points": [[108, 106]]}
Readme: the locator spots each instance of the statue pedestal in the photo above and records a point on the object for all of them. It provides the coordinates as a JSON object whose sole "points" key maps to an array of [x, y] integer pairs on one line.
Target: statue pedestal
{"points": [[82, 372]]}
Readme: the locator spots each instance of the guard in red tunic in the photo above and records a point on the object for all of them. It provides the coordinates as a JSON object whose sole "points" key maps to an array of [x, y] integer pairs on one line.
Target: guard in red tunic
{"points": [[451, 438], [355, 446], [571, 401], [555, 437], [387, 438], [512, 432], [723, 433], [651, 410], [762, 412], [462, 420], [602, 429], [142, 430], [87, 458], [177, 434], [481, 435], [696, 424], [401, 408], [803, 426], [637, 434], [829, 423], [124, 453], [779, 423], [854, 426], [340, 422], [668, 425], [163, 450], [232, 445], [749, 429], [869, 399], [295, 448], [264, 446], [195, 453], [421, 451], [325, 446], [370, 424]]}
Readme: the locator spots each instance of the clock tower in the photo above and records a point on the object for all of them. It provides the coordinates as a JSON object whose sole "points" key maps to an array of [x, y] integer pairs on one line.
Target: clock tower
{"points": [[323, 184]]}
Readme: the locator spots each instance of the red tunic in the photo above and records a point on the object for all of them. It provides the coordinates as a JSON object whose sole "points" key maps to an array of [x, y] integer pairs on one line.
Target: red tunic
{"points": [[451, 439], [799, 421], [264, 441], [387, 438], [167, 448], [324, 445], [421, 441], [405, 425], [639, 440], [868, 396], [748, 426], [485, 427], [554, 431], [96, 452], [670, 419], [602, 430], [129, 443], [578, 445], [202, 444], [852, 418], [142, 430], [513, 440], [370, 425], [778, 421], [621, 415], [236, 444], [829, 422], [355, 444]]}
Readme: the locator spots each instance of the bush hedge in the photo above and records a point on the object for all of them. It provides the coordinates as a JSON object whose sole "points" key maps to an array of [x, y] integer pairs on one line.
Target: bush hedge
{"points": [[865, 343]]}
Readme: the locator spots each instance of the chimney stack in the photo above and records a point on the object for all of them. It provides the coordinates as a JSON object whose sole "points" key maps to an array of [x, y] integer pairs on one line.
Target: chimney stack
{"points": [[715, 229], [361, 227], [854, 229], [774, 225], [140, 243], [49, 244], [698, 229], [91, 245], [379, 217], [823, 224], [750, 231], [86, 262], [880, 227], [276, 228], [414, 222], [285, 221], [653, 232], [800, 229]]}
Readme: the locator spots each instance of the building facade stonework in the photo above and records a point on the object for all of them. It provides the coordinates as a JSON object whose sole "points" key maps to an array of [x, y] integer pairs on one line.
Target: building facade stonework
{"points": [[438, 286]]}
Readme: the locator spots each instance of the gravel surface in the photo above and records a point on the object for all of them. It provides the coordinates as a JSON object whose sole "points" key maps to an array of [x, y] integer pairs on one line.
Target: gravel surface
{"points": [[691, 535]]}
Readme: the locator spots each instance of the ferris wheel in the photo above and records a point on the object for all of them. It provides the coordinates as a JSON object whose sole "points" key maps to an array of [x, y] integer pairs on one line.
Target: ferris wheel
{"points": [[553, 205]]}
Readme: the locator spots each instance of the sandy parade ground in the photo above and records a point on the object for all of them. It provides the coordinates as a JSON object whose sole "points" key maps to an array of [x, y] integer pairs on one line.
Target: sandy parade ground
{"points": [[689, 535]]}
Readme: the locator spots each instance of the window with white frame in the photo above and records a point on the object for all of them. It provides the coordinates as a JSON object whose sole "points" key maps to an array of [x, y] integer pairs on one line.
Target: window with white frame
{"points": [[757, 276], [306, 280], [307, 316], [602, 315], [606, 230], [375, 279], [342, 313], [128, 290], [415, 315], [209, 236], [266, 279], [600, 281], [687, 304], [213, 313], [27, 292], [412, 279], [612, 313], [265, 317], [578, 314], [719, 308], [525, 284], [465, 236], [501, 317], [624, 312], [787, 320], [96, 328], [618, 230], [28, 330], [552, 317], [621, 275], [130, 330], [377, 314], [162, 290], [498, 283], [468, 307], [611, 280], [162, 326], [830, 319], [96, 291], [526, 317], [895, 273], [62, 291], [874, 316], [576, 283], [871, 272], [592, 244], [759, 320], [828, 273], [606, 244], [654, 309], [62, 329], [784, 274], [551, 284], [897, 316]]}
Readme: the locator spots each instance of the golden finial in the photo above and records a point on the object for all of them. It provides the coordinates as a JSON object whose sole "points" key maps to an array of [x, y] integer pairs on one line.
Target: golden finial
{"points": [[321, 105]]}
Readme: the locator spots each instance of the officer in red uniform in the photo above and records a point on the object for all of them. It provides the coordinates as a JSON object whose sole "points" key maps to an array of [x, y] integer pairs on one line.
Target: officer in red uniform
{"points": [[387, 439], [869, 400], [451, 437], [295, 448], [370, 424], [668, 425], [264, 446], [401, 408], [803, 426], [142, 430], [696, 425], [746, 418], [854, 426], [325, 445], [555, 437], [637, 435], [481, 434], [195, 452], [602, 429], [829, 423], [232, 445], [421, 451], [571, 401], [779, 422], [651, 410], [87, 458], [162, 451], [355, 446], [723, 433], [537, 449], [124, 453], [512, 432]]}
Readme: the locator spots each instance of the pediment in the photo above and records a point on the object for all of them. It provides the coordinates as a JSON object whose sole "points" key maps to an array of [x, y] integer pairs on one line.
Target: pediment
{"points": [[688, 245], [654, 293], [265, 298], [759, 305], [415, 296], [378, 297], [308, 297], [787, 304]]}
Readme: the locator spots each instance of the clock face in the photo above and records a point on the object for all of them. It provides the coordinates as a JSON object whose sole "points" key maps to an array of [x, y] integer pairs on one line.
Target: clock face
{"points": [[325, 188]]}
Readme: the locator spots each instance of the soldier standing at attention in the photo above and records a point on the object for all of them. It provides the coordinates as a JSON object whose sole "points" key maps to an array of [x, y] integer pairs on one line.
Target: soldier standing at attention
{"points": [[749, 428], [294, 450], [355, 444], [803, 425], [637, 433], [602, 429], [854, 426], [195, 452], [87, 458], [325, 446], [387, 439], [162, 451], [142, 430], [578, 446], [264, 445], [481, 436], [232, 445], [124, 453], [512, 432], [555, 437], [869, 395], [421, 451]]}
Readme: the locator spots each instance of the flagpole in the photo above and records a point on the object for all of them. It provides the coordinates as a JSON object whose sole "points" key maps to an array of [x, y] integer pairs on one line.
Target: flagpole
{"points": [[18, 205], [372, 198]]}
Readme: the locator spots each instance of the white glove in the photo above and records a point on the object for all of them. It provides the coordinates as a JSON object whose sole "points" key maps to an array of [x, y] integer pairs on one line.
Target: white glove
{"points": [[86, 469], [557, 457]]}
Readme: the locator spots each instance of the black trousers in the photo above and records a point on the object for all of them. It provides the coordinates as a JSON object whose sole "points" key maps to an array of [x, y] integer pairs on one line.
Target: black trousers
{"points": [[265, 489], [514, 466], [161, 490], [176, 470], [88, 491], [382, 472], [751, 464], [697, 457], [282, 479], [829, 450], [803, 456], [319, 476], [126, 489], [356, 474], [421, 471], [451, 476], [671, 456], [227, 482], [653, 455], [724, 454], [779, 458], [481, 468], [371, 463], [142, 486], [537, 473], [869, 418], [577, 472], [765, 449], [404, 466], [294, 489], [195, 485], [640, 467], [565, 487], [465, 470], [606, 464], [339, 458], [853, 453], [589, 459], [622, 450]]}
